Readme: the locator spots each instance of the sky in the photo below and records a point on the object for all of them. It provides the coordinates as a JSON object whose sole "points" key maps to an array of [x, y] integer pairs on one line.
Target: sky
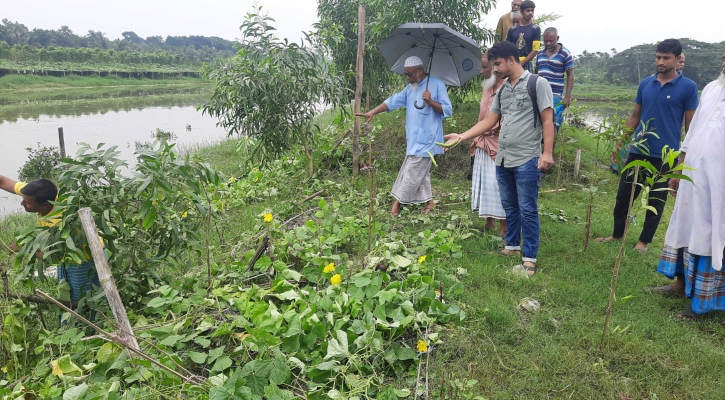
{"points": [[585, 25]]}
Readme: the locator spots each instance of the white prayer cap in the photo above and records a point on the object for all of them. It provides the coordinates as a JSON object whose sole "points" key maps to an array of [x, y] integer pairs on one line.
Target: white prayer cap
{"points": [[413, 61]]}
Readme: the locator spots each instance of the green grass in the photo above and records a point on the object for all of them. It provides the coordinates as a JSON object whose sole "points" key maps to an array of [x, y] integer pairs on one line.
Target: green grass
{"points": [[553, 353], [42, 83], [601, 93]]}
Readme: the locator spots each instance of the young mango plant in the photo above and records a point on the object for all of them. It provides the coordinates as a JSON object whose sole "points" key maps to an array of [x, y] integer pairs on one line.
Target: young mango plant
{"points": [[145, 219], [646, 176], [272, 90]]}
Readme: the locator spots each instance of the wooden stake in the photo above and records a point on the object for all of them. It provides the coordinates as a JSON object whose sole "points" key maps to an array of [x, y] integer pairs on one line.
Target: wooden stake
{"points": [[577, 164], [61, 142], [358, 89], [107, 281]]}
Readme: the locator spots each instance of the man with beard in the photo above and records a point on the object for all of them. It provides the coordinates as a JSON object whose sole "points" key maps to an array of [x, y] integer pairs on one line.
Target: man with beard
{"points": [[693, 253], [681, 64], [505, 23], [486, 198], [519, 156], [423, 127], [527, 35], [662, 101]]}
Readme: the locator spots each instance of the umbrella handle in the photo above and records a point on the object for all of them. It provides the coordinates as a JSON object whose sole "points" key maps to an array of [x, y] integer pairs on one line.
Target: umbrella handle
{"points": [[416, 101], [430, 65]]}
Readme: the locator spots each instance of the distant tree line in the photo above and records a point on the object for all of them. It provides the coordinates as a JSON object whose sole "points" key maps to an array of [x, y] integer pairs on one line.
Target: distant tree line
{"points": [[629, 67], [193, 49]]}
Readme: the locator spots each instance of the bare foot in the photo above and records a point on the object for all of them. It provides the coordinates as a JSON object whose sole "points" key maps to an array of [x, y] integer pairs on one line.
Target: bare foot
{"points": [[429, 207], [607, 239], [395, 210], [641, 247]]}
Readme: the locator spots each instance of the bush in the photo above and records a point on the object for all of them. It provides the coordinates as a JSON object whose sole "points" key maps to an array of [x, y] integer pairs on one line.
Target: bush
{"points": [[42, 163]]}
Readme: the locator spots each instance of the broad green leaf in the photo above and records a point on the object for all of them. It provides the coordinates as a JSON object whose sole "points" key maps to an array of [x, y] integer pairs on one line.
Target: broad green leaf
{"points": [[106, 352], [76, 392], [337, 347], [222, 363], [197, 357]]}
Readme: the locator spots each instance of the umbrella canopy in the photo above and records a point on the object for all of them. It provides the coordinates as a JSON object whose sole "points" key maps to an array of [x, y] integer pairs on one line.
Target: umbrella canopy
{"points": [[456, 57]]}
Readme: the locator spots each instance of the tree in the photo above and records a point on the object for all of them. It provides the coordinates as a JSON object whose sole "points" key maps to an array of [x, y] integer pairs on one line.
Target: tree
{"points": [[14, 32], [132, 37], [271, 90], [337, 31]]}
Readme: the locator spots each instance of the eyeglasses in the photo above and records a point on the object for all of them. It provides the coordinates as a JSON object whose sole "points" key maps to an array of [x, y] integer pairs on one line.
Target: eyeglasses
{"points": [[410, 74]]}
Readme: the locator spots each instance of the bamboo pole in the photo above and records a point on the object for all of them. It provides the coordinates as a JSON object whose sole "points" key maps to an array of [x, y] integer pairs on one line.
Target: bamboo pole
{"points": [[107, 281], [577, 164], [61, 142], [358, 89]]}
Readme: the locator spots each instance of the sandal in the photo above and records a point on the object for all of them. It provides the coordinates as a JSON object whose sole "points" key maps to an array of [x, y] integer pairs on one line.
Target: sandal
{"points": [[688, 315], [530, 270], [509, 253], [606, 240], [668, 290]]}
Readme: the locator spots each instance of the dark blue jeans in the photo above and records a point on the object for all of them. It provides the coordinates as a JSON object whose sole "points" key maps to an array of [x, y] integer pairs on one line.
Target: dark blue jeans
{"points": [[520, 199]]}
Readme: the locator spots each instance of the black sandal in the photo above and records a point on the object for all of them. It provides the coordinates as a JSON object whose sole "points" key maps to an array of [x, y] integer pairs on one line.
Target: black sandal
{"points": [[531, 269]]}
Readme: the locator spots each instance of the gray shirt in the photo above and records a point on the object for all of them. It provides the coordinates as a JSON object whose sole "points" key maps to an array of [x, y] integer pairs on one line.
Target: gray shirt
{"points": [[519, 140]]}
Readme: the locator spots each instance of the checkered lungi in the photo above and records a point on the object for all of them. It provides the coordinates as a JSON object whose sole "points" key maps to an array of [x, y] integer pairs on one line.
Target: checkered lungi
{"points": [[704, 285]]}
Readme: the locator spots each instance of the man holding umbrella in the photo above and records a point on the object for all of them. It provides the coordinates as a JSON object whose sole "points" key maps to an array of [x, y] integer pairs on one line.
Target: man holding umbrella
{"points": [[423, 127]]}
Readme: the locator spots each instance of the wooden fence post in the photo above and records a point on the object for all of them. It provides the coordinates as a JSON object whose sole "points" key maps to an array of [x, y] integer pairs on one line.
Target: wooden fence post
{"points": [[61, 142], [107, 281], [358, 89], [577, 164]]}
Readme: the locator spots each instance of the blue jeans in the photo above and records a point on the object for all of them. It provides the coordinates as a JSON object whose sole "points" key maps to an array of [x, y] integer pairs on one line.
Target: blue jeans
{"points": [[520, 200]]}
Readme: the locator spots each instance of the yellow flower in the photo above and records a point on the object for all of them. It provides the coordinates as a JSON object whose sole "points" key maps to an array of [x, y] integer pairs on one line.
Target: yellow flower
{"points": [[268, 217], [438, 293], [256, 179], [421, 259], [4, 369], [184, 214], [329, 268], [336, 279], [232, 179], [422, 346]]}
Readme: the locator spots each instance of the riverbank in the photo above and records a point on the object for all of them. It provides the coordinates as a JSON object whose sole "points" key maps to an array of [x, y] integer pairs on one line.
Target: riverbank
{"points": [[496, 350], [35, 83], [604, 93]]}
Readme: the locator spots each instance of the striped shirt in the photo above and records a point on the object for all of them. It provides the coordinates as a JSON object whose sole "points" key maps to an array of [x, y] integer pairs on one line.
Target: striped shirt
{"points": [[552, 69]]}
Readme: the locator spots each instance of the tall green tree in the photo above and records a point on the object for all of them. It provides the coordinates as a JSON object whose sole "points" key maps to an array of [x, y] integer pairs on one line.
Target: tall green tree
{"points": [[337, 31], [272, 90]]}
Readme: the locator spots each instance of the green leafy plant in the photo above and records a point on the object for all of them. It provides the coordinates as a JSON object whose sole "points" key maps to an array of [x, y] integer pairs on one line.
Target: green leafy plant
{"points": [[272, 90], [42, 163], [146, 219]]}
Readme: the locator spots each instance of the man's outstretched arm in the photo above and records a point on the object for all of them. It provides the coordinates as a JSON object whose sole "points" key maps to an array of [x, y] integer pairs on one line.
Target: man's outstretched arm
{"points": [[7, 184]]}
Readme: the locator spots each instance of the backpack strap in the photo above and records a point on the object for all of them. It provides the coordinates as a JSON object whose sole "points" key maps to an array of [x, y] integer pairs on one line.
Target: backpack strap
{"points": [[531, 88]]}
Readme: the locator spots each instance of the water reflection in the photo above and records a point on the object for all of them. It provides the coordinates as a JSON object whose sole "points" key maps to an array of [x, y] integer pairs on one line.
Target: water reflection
{"points": [[116, 121]]}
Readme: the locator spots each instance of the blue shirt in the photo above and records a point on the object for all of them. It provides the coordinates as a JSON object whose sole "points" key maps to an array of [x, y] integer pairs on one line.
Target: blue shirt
{"points": [[422, 127], [663, 111], [552, 69]]}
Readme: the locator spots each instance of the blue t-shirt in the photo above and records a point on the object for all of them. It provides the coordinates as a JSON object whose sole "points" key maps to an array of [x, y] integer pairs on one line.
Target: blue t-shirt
{"points": [[422, 127], [663, 111], [552, 69]]}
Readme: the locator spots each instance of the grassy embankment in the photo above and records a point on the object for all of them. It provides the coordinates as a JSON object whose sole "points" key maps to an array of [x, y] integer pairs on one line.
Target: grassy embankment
{"points": [[555, 352], [30, 96], [552, 353]]}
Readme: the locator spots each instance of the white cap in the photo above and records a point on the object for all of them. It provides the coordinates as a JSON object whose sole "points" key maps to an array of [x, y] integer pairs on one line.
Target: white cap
{"points": [[413, 61]]}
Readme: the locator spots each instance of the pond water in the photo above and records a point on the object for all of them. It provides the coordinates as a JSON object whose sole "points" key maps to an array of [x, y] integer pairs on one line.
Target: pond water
{"points": [[116, 121]]}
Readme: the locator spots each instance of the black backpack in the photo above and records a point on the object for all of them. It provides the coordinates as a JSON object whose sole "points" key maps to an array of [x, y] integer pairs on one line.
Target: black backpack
{"points": [[531, 89]]}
